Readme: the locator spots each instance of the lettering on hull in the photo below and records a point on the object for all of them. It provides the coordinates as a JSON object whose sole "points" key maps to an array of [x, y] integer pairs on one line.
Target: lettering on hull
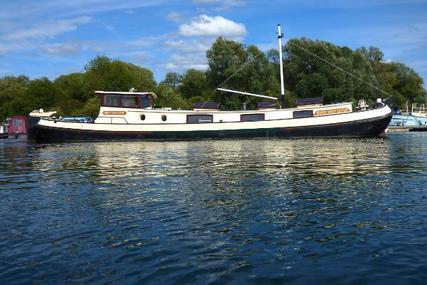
{"points": [[331, 111], [114, 113]]}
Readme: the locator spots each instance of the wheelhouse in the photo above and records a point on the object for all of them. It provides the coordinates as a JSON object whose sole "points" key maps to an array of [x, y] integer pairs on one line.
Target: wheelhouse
{"points": [[135, 100]]}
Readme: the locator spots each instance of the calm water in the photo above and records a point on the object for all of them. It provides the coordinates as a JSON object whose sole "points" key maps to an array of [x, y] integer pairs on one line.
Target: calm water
{"points": [[250, 211]]}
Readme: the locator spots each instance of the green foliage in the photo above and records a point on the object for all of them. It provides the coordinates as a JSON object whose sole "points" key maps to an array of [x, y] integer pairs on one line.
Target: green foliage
{"points": [[41, 92], [73, 93], [102, 73], [172, 79], [409, 84], [90, 108], [170, 97], [226, 59], [309, 76], [194, 84], [12, 95], [305, 76]]}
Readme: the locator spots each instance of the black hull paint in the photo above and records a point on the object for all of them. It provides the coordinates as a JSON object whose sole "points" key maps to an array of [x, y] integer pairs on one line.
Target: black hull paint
{"points": [[363, 128]]}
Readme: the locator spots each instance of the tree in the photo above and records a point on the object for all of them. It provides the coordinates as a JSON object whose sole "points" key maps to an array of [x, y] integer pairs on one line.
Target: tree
{"points": [[74, 92], [312, 86], [41, 93], [170, 97], [371, 53], [233, 66], [194, 84], [409, 84], [12, 95], [309, 76], [102, 73], [173, 79]]}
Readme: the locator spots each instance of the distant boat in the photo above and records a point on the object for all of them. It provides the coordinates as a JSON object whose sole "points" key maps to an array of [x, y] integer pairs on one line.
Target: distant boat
{"points": [[17, 127], [416, 117], [132, 116], [3, 131]]}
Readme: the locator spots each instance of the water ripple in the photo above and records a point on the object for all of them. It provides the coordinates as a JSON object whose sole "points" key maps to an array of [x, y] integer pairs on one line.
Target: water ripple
{"points": [[217, 212]]}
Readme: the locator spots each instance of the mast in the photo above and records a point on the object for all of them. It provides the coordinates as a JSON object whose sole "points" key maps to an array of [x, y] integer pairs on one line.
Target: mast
{"points": [[282, 84]]}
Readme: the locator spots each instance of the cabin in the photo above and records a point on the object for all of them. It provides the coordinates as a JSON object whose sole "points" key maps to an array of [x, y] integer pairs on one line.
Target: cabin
{"points": [[136, 100], [18, 126], [137, 108]]}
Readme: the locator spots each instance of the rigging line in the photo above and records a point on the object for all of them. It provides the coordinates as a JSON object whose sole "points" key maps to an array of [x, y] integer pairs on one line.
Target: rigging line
{"points": [[232, 75], [340, 68], [239, 69]]}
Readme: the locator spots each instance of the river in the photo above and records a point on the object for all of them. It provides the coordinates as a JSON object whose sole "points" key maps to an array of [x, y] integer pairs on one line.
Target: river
{"points": [[304, 211]]}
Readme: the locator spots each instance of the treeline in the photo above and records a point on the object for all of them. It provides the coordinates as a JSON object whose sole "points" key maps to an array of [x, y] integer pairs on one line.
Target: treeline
{"points": [[305, 76]]}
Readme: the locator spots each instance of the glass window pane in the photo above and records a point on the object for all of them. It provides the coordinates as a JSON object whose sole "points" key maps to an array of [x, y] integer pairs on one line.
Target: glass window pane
{"points": [[130, 101], [199, 119], [112, 100], [145, 101], [252, 117]]}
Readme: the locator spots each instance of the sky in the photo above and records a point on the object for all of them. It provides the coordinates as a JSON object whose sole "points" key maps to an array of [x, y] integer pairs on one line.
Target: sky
{"points": [[55, 37]]}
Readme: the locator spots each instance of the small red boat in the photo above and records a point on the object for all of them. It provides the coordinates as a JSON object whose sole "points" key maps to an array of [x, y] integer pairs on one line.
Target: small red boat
{"points": [[18, 126]]}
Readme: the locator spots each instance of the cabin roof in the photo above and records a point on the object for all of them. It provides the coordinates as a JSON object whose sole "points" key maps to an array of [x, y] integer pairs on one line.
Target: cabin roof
{"points": [[127, 93]]}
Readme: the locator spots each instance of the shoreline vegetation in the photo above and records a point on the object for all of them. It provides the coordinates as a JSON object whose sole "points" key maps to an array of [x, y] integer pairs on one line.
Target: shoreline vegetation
{"points": [[305, 77]]}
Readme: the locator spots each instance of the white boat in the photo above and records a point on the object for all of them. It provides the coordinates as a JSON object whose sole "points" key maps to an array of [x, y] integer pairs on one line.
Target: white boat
{"points": [[3, 131], [416, 117], [131, 115]]}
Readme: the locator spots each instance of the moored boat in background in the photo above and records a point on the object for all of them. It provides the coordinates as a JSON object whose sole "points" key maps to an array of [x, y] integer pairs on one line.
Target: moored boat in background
{"points": [[3, 131], [415, 117], [18, 127]]}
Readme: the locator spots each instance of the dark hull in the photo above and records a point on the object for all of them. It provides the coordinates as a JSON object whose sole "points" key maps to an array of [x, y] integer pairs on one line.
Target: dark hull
{"points": [[419, 129], [363, 128]]}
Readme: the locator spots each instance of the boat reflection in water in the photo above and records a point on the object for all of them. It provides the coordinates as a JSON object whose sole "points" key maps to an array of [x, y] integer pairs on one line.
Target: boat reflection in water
{"points": [[221, 165]]}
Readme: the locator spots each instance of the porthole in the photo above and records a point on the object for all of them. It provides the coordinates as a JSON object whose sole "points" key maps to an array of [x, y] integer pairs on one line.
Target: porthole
{"points": [[142, 117], [164, 118]]}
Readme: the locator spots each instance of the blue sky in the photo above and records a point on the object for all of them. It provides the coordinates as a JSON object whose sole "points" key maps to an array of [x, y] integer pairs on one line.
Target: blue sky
{"points": [[53, 37]]}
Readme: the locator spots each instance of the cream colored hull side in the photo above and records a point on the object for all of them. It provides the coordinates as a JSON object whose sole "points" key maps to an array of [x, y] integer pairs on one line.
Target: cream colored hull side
{"points": [[224, 126]]}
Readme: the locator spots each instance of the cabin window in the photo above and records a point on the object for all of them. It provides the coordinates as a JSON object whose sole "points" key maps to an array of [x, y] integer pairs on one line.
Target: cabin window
{"points": [[252, 117], [130, 102], [303, 114], [199, 119], [145, 101], [164, 118], [18, 122], [112, 100], [142, 117]]}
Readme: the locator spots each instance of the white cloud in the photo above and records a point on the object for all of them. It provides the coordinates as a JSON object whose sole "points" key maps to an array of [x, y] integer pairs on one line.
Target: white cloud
{"points": [[62, 48], [189, 46], [139, 58], [213, 27], [187, 53], [181, 63], [46, 30], [55, 8]]}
